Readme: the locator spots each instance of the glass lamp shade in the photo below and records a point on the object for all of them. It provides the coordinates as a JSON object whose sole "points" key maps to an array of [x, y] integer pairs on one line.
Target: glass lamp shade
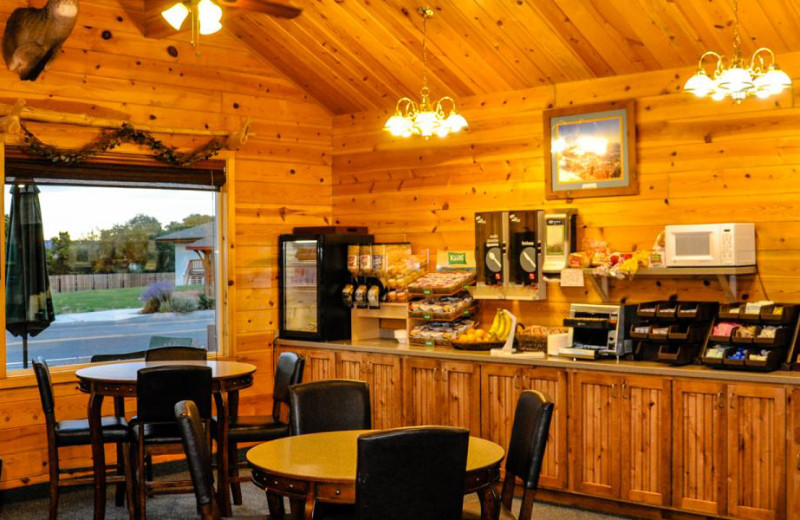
{"points": [[455, 122], [209, 15], [399, 125], [775, 80], [699, 84], [427, 122], [176, 15], [735, 79]]}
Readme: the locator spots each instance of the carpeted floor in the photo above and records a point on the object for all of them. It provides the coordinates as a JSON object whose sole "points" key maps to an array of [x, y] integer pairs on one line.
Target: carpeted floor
{"points": [[76, 504]]}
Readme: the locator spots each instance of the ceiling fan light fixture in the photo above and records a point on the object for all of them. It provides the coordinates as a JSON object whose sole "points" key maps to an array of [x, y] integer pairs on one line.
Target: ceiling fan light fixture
{"points": [[209, 15], [176, 15]]}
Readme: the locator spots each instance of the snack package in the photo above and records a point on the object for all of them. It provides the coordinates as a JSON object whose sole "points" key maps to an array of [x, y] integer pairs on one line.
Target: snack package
{"points": [[353, 259], [365, 259]]}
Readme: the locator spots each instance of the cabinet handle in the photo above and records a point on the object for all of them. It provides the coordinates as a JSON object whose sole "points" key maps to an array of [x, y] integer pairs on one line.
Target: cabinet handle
{"points": [[720, 399], [614, 391], [516, 381], [732, 399], [624, 386], [798, 461]]}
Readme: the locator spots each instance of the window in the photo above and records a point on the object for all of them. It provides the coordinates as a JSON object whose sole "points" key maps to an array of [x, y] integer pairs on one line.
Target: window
{"points": [[132, 265]]}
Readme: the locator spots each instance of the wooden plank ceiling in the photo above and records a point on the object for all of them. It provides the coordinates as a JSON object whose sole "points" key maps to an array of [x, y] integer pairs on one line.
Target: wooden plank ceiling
{"points": [[356, 55]]}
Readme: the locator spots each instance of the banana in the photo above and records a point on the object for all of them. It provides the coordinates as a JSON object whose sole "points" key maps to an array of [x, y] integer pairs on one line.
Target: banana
{"points": [[495, 325], [502, 331]]}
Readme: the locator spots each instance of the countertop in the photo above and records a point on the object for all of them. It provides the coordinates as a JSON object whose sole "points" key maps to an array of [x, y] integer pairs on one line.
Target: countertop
{"points": [[389, 346]]}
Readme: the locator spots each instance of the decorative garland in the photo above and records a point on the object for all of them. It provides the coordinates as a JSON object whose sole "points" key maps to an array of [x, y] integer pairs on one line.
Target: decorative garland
{"points": [[113, 138]]}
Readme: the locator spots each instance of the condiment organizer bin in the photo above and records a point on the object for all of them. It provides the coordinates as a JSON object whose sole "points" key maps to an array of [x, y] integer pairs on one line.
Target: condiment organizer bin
{"points": [[738, 350], [671, 331]]}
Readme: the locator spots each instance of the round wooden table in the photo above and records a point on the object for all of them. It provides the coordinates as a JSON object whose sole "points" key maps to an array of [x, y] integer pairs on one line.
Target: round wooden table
{"points": [[322, 467], [118, 380]]}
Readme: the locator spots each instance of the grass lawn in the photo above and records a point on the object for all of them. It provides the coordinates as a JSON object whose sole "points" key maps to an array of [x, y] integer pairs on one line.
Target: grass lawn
{"points": [[104, 300]]}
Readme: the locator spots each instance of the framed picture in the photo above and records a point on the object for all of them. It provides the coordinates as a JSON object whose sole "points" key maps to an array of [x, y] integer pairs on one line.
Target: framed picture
{"points": [[590, 151]]}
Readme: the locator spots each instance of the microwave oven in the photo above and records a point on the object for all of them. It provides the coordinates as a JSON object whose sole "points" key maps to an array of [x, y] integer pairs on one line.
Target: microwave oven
{"points": [[710, 245]]}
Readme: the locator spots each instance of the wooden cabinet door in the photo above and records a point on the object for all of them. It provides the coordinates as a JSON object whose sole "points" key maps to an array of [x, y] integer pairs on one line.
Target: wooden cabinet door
{"points": [[645, 440], [595, 434], [553, 383], [421, 399], [756, 451], [460, 391], [384, 376], [793, 459], [500, 389], [351, 365], [319, 364], [698, 452]]}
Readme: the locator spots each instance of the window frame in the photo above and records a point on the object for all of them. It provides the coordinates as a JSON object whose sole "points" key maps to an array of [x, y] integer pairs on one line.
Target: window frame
{"points": [[226, 231]]}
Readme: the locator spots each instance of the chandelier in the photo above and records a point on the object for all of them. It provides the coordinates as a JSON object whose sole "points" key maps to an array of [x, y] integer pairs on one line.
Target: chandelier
{"points": [[732, 79], [425, 118], [205, 17]]}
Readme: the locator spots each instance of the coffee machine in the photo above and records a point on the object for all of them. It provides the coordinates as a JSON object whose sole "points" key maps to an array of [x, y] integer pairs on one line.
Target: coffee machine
{"points": [[598, 331]]}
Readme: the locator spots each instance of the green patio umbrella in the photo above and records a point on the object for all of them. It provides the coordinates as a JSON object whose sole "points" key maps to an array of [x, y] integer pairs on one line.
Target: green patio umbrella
{"points": [[29, 306]]}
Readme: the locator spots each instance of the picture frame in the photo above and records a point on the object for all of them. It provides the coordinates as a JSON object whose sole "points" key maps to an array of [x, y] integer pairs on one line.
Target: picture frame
{"points": [[590, 151]]}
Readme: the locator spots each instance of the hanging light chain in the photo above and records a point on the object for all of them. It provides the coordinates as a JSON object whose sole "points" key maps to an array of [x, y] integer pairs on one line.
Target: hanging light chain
{"points": [[737, 39]]}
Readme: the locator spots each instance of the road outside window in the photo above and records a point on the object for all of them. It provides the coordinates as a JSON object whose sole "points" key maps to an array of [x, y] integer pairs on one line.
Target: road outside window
{"points": [[129, 269]]}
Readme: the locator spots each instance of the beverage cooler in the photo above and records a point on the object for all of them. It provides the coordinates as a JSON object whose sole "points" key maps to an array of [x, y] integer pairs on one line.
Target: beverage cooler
{"points": [[313, 271]]}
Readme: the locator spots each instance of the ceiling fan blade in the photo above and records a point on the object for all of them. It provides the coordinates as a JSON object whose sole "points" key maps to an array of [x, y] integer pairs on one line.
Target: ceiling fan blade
{"points": [[277, 9]]}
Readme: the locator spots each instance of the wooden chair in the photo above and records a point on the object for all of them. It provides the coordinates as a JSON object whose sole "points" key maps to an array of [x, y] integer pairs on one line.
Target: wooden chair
{"points": [[329, 405], [260, 428], [411, 474], [525, 453], [154, 429], [198, 459], [77, 433], [176, 354]]}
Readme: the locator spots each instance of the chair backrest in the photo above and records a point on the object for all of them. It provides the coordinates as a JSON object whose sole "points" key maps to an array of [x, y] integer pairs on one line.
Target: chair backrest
{"points": [[45, 384], [529, 437], [102, 358], [197, 458], [176, 354], [411, 474], [330, 405], [159, 388], [167, 341], [289, 371]]}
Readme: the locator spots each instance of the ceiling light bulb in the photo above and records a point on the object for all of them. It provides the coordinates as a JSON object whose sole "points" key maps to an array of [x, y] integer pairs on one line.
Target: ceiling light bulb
{"points": [[699, 84], [175, 15], [718, 94], [209, 15]]}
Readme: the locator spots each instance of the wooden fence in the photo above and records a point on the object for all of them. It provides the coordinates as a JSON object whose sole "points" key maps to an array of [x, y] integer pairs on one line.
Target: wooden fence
{"points": [[62, 283]]}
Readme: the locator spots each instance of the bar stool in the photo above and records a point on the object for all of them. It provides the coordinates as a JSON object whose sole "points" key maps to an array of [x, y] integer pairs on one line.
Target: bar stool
{"points": [[77, 433]]}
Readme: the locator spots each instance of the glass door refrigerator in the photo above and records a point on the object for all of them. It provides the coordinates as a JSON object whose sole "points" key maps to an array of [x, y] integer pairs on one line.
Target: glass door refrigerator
{"points": [[313, 272]]}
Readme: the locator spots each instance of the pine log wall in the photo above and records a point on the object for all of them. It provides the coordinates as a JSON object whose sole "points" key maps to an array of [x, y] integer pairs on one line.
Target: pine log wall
{"points": [[283, 177], [699, 161]]}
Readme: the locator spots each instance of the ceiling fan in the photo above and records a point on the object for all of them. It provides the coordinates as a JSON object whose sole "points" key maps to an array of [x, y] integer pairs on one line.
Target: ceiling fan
{"points": [[205, 16]]}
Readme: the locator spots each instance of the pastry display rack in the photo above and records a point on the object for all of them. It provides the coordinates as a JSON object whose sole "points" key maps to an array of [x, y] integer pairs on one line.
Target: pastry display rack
{"points": [[758, 337], [671, 331], [441, 308]]}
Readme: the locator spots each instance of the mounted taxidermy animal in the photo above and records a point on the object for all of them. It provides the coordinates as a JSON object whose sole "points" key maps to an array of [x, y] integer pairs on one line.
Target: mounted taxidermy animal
{"points": [[33, 37]]}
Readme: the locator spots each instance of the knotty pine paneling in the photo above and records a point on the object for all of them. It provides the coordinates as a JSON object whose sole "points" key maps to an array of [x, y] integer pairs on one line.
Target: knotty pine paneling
{"points": [[699, 161], [282, 175]]}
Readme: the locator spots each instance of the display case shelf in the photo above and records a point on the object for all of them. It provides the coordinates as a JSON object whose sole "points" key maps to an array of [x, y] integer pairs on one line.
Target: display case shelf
{"points": [[727, 277]]}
